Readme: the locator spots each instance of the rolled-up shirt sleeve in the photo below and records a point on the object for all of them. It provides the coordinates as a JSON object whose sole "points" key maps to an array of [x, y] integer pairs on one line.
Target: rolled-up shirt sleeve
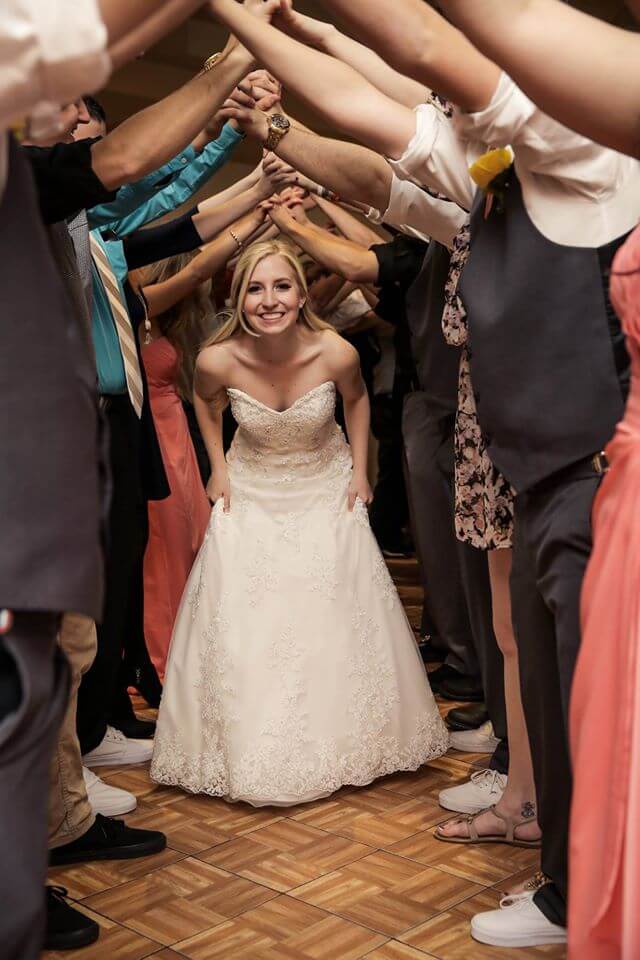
{"points": [[542, 145], [436, 157], [50, 50], [416, 212]]}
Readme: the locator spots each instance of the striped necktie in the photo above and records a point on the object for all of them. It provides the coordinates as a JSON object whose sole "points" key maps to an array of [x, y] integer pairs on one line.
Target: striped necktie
{"points": [[126, 336]]}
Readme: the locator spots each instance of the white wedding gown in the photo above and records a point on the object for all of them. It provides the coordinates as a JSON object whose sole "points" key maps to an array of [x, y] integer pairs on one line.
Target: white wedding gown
{"points": [[292, 669]]}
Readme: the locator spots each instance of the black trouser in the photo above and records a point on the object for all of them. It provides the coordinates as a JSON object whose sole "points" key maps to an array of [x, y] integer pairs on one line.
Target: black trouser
{"points": [[551, 549], [455, 575], [429, 485], [101, 690], [389, 512], [34, 684]]}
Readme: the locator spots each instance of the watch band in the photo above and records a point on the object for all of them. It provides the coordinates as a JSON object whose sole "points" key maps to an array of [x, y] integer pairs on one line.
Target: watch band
{"points": [[276, 132]]}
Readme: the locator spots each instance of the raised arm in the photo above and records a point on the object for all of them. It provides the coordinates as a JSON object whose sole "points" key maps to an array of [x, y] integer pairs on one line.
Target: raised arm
{"points": [[420, 43], [590, 79], [326, 37], [184, 233], [347, 224], [162, 296], [151, 137], [135, 25], [337, 92], [121, 17], [348, 259], [346, 169]]}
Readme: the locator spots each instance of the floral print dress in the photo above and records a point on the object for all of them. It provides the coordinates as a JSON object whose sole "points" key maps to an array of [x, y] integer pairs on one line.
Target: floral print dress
{"points": [[483, 497]]}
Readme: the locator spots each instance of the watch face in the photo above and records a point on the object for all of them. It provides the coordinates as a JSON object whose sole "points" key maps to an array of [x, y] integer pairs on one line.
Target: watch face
{"points": [[280, 122]]}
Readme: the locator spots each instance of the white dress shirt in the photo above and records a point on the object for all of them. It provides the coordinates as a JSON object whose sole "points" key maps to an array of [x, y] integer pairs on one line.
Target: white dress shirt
{"points": [[50, 51], [415, 212], [349, 311], [576, 192]]}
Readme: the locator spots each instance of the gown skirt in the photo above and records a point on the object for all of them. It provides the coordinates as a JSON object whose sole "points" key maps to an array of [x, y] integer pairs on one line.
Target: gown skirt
{"points": [[293, 669]]}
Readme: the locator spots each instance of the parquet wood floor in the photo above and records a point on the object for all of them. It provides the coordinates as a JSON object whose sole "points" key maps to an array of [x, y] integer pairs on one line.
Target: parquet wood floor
{"points": [[356, 875]]}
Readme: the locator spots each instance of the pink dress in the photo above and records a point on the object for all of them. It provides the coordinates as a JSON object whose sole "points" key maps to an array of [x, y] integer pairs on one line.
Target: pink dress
{"points": [[177, 524], [604, 901]]}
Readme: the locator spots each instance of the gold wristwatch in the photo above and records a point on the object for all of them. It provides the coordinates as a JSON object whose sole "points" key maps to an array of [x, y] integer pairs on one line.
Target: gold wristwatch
{"points": [[279, 125]]}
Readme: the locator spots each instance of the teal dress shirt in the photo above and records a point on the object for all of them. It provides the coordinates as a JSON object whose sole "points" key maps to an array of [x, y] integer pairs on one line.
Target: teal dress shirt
{"points": [[136, 205]]}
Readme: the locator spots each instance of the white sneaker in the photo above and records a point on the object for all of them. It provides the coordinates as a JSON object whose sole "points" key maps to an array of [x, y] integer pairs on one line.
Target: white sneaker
{"points": [[483, 790], [105, 799], [480, 740], [518, 923], [117, 749]]}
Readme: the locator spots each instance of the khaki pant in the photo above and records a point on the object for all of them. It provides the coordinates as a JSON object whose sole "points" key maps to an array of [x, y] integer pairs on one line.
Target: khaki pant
{"points": [[70, 813]]}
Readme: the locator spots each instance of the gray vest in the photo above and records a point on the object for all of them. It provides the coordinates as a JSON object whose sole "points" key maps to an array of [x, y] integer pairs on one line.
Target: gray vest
{"points": [[435, 361], [50, 488], [542, 355]]}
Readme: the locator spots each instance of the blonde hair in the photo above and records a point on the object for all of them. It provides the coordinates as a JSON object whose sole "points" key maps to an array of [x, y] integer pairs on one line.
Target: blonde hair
{"points": [[188, 322], [245, 267]]}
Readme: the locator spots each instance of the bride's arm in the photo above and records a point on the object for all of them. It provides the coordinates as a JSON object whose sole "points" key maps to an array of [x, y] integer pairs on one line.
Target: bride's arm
{"points": [[209, 402], [345, 363]]}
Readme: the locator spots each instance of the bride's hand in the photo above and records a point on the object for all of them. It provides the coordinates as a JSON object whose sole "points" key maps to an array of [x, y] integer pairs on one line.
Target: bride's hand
{"points": [[359, 489], [219, 488]]}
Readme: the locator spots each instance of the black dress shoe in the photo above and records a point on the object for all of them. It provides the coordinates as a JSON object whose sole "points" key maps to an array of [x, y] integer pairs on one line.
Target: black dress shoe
{"points": [[67, 929], [136, 729], [146, 681], [443, 673], [428, 652], [467, 718], [461, 687], [109, 839]]}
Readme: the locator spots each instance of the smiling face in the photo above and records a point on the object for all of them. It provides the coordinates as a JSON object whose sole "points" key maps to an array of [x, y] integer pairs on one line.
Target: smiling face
{"points": [[273, 298]]}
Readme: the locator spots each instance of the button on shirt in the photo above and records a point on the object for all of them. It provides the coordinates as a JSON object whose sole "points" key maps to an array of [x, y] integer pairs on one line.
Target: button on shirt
{"points": [[575, 191]]}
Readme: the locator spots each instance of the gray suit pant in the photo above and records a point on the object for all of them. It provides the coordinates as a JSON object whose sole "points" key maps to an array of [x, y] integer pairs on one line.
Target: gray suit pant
{"points": [[33, 697], [551, 549], [455, 575]]}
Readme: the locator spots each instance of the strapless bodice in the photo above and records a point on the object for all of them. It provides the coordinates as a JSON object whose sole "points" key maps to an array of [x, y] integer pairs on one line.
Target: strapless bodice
{"points": [[302, 442]]}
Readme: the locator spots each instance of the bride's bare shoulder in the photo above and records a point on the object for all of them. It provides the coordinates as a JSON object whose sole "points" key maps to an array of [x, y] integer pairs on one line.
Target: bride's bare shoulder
{"points": [[217, 357], [214, 367], [339, 354]]}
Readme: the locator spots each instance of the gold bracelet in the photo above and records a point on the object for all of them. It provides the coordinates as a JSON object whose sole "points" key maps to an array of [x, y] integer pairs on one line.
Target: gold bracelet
{"points": [[210, 62], [239, 242]]}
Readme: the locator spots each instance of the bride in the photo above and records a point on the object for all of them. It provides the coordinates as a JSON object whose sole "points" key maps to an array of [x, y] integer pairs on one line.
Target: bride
{"points": [[293, 670]]}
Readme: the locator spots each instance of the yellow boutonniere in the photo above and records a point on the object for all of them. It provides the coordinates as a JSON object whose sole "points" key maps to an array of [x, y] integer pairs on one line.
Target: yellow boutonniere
{"points": [[18, 127], [490, 173]]}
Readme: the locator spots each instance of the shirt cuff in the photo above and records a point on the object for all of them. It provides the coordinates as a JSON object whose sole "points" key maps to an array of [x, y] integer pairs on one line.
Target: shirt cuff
{"points": [[499, 124], [229, 137], [73, 48]]}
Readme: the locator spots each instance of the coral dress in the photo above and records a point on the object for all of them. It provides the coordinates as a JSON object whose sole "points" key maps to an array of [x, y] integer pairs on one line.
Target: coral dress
{"points": [[293, 669], [177, 524], [604, 914]]}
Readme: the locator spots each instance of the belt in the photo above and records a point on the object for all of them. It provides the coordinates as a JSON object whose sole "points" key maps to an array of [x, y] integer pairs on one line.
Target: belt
{"points": [[600, 463], [108, 400], [597, 464]]}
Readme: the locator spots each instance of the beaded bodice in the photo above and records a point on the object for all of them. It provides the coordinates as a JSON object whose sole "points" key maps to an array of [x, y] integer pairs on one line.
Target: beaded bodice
{"points": [[298, 442]]}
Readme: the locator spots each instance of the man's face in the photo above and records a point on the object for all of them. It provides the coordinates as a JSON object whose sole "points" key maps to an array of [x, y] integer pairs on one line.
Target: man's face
{"points": [[90, 130], [72, 115]]}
